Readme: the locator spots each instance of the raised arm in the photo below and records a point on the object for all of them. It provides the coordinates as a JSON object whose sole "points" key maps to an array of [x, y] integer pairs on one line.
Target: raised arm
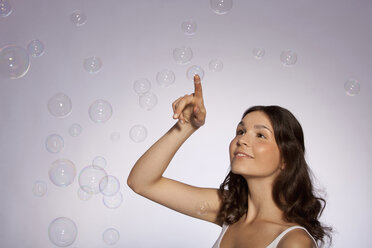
{"points": [[146, 177]]}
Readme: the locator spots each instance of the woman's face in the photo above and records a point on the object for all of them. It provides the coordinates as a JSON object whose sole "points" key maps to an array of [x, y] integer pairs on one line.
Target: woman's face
{"points": [[253, 151]]}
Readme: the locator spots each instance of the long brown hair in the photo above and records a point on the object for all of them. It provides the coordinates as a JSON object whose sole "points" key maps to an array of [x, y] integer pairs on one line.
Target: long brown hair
{"points": [[293, 191]]}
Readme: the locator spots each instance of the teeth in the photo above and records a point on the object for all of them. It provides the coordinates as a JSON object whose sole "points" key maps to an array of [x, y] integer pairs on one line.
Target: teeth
{"points": [[241, 155]]}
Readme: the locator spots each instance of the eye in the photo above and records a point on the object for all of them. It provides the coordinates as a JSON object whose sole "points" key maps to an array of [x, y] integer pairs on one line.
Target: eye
{"points": [[260, 135], [240, 132]]}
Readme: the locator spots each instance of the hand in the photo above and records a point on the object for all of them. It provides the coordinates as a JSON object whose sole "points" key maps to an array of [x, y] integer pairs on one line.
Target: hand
{"points": [[190, 108]]}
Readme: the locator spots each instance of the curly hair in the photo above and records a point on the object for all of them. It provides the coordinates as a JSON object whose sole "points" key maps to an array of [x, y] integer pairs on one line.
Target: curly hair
{"points": [[293, 191]]}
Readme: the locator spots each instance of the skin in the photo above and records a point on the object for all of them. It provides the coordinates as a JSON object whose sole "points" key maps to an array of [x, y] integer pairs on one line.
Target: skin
{"points": [[263, 222]]}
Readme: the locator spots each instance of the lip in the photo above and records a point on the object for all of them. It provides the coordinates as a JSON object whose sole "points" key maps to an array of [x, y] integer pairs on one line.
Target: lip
{"points": [[242, 153]]}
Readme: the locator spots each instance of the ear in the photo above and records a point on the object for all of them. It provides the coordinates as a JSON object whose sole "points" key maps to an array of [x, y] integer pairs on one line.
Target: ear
{"points": [[283, 165]]}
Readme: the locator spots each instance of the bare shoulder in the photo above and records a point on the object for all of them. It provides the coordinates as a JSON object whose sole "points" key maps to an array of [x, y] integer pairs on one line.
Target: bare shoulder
{"points": [[297, 238]]}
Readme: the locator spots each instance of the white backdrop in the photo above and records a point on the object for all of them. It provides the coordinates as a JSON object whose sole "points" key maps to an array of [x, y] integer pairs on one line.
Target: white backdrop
{"points": [[135, 39]]}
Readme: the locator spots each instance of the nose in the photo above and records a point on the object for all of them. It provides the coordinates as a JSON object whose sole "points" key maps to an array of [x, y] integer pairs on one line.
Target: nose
{"points": [[243, 140]]}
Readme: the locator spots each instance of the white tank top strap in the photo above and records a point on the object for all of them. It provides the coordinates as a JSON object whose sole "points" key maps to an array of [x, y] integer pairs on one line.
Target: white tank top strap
{"points": [[280, 236], [218, 241]]}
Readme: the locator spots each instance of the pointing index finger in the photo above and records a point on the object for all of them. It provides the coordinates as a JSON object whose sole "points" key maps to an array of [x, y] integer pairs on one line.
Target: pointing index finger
{"points": [[198, 88]]}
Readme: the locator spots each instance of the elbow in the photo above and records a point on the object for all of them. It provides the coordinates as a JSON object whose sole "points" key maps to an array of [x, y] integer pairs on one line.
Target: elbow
{"points": [[133, 185]]}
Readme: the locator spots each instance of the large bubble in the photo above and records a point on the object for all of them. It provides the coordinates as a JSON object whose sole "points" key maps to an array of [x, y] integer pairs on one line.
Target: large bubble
{"points": [[109, 185], [141, 86], [62, 172], [111, 236], [165, 78], [148, 100], [138, 133], [62, 231], [193, 70], [35, 48], [288, 58], [221, 6], [182, 55], [14, 62], [60, 105], [54, 143], [100, 111], [90, 178]]}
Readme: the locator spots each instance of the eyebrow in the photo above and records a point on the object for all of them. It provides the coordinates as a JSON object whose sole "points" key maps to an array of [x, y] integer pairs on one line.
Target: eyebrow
{"points": [[259, 126]]}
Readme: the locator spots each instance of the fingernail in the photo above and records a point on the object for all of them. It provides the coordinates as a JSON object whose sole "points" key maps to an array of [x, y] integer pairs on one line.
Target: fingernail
{"points": [[196, 78], [175, 116]]}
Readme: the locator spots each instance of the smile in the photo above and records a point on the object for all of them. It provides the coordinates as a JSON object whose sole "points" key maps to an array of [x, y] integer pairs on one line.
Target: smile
{"points": [[242, 155]]}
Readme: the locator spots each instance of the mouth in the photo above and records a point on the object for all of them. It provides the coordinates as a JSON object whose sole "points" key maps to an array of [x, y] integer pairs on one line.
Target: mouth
{"points": [[242, 155]]}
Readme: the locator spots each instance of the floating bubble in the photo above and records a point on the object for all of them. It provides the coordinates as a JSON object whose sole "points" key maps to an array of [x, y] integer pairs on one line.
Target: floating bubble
{"points": [[54, 143], [165, 78], [100, 111], [113, 201], [62, 231], [84, 196], [111, 236], [75, 130], [60, 105], [141, 86], [109, 185], [115, 136], [35, 48], [148, 100], [78, 18], [221, 6], [258, 53], [14, 61], [189, 27], [288, 57], [193, 70], [215, 65], [90, 178], [5, 8], [62, 172], [138, 133], [99, 161], [182, 55], [352, 87], [39, 189], [92, 64]]}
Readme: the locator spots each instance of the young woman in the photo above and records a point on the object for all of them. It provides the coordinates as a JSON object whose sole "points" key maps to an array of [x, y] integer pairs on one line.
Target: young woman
{"points": [[267, 198]]}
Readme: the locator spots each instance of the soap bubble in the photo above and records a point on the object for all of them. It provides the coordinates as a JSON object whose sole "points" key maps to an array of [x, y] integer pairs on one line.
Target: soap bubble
{"points": [[221, 6], [75, 130], [35, 48], [113, 201], [215, 65], [352, 87], [115, 136], [62, 172], [99, 161], [288, 57], [138, 133], [78, 18], [109, 185], [165, 78], [60, 105], [54, 143], [90, 178], [193, 70], [14, 61], [100, 111], [111, 236], [182, 55], [39, 189], [5, 8], [62, 231], [84, 196], [141, 86], [92, 64], [258, 53], [189, 27], [148, 100]]}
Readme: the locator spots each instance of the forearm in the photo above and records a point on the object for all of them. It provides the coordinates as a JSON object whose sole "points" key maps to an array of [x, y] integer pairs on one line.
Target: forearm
{"points": [[151, 165]]}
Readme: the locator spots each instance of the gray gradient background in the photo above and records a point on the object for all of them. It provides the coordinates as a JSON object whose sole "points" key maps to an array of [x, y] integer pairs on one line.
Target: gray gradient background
{"points": [[135, 39]]}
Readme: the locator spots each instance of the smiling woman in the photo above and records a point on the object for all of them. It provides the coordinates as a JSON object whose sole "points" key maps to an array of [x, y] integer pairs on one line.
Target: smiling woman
{"points": [[267, 199]]}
